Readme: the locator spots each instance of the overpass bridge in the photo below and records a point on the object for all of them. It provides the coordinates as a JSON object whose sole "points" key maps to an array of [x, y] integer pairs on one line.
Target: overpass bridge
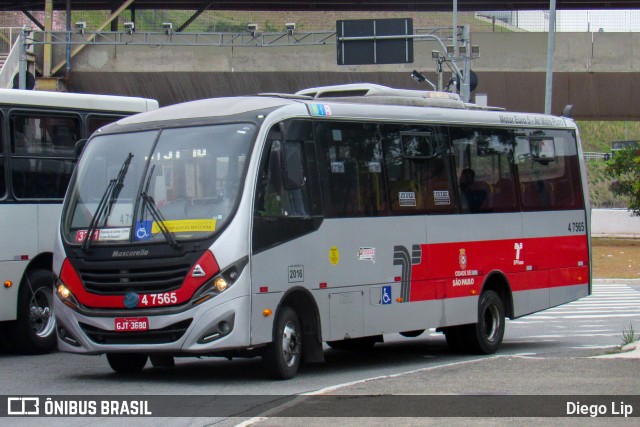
{"points": [[596, 72], [599, 73]]}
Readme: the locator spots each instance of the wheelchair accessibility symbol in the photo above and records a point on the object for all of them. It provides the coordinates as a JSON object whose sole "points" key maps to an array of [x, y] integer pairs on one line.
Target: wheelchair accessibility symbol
{"points": [[386, 295]]}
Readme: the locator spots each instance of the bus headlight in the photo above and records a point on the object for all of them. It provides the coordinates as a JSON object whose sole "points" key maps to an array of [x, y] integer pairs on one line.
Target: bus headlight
{"points": [[66, 296], [220, 283]]}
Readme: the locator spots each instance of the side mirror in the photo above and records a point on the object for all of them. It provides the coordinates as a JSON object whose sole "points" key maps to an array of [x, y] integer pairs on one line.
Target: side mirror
{"points": [[79, 148]]}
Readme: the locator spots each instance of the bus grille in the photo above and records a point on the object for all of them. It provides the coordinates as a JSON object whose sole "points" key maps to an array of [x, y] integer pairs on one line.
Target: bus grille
{"points": [[143, 280], [169, 334]]}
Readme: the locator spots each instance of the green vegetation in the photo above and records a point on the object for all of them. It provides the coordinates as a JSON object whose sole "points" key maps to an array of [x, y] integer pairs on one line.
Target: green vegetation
{"points": [[629, 335], [596, 137], [600, 188], [624, 169]]}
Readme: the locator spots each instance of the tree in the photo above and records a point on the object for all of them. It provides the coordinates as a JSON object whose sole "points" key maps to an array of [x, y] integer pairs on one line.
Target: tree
{"points": [[624, 168]]}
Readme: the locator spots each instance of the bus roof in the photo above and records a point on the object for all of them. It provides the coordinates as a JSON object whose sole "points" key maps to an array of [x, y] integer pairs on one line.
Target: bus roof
{"points": [[355, 101], [76, 101]]}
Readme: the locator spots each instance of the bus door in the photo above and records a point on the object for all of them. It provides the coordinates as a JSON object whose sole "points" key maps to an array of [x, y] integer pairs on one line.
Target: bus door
{"points": [[286, 251]]}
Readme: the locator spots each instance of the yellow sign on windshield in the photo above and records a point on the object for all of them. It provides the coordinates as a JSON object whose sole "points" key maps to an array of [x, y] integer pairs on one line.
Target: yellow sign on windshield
{"points": [[186, 225]]}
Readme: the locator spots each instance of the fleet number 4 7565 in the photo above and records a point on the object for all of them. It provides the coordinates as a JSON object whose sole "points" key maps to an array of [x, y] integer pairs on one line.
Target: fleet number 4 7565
{"points": [[159, 299]]}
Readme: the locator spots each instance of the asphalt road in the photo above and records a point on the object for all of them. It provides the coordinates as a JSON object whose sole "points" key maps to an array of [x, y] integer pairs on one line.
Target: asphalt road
{"points": [[543, 354]]}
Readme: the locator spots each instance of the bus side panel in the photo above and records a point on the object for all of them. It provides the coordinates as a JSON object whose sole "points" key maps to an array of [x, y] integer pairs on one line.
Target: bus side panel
{"points": [[11, 270], [47, 228], [379, 254], [294, 264], [557, 249], [19, 231], [19, 228]]}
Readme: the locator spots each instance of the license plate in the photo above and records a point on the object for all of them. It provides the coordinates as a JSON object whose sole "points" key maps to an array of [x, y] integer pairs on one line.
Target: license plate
{"points": [[131, 324]]}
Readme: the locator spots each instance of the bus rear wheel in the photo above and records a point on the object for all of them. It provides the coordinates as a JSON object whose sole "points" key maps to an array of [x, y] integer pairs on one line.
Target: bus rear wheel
{"points": [[127, 363], [486, 336], [283, 356], [455, 336]]}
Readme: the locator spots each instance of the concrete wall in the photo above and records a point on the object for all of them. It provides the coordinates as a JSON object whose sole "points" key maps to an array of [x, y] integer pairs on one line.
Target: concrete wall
{"points": [[597, 72], [520, 52], [614, 223]]}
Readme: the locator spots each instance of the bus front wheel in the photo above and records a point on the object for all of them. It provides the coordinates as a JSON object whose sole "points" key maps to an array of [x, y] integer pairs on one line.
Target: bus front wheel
{"points": [[34, 331], [282, 357], [127, 363]]}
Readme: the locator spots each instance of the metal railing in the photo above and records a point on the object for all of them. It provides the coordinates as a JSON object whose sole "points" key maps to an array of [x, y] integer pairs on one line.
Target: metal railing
{"points": [[591, 156]]}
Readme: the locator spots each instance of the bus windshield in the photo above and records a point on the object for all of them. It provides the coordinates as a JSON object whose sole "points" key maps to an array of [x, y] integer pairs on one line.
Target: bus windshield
{"points": [[159, 185]]}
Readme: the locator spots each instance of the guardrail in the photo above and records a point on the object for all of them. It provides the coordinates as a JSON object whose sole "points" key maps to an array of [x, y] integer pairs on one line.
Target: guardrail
{"points": [[591, 156]]}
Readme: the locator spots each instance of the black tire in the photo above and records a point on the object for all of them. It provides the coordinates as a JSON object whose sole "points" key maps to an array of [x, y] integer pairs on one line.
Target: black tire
{"points": [[34, 332], [283, 356], [486, 336], [412, 334], [162, 361], [355, 344], [455, 338], [127, 363]]}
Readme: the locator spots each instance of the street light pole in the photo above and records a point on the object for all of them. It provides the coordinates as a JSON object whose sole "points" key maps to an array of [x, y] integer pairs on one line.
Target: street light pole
{"points": [[550, 53]]}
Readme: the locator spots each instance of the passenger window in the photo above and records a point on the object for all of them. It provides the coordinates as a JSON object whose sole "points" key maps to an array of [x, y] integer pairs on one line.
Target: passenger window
{"points": [[42, 154], [351, 169], [485, 169], [95, 122], [548, 170], [418, 170], [3, 187]]}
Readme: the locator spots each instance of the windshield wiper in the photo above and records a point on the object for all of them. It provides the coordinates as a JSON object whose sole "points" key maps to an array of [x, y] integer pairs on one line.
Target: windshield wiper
{"points": [[106, 203], [159, 219]]}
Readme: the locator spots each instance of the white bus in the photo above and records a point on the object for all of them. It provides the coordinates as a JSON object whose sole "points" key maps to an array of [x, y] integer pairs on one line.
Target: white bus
{"points": [[38, 132], [269, 225]]}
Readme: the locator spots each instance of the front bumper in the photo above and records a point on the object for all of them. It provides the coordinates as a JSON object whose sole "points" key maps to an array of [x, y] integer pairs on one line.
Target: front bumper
{"points": [[212, 327]]}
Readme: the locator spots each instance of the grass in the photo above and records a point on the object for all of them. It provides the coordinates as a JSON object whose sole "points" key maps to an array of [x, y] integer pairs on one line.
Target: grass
{"points": [[629, 335], [616, 258]]}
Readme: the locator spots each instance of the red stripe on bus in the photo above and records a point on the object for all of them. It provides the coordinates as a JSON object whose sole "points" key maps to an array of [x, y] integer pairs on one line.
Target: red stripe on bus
{"points": [[450, 270]]}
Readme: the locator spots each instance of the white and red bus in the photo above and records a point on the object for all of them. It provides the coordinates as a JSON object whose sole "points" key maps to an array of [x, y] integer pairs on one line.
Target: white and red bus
{"points": [[38, 133], [269, 225]]}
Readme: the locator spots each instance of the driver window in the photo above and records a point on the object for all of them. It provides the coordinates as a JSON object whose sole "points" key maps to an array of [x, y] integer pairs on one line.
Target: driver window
{"points": [[283, 191]]}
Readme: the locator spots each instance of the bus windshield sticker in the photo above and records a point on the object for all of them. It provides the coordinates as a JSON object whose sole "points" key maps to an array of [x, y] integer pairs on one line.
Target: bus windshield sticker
{"points": [[120, 215], [441, 198], [186, 225], [337, 167], [407, 198], [334, 255], [143, 230], [367, 254], [114, 234], [105, 234]]}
